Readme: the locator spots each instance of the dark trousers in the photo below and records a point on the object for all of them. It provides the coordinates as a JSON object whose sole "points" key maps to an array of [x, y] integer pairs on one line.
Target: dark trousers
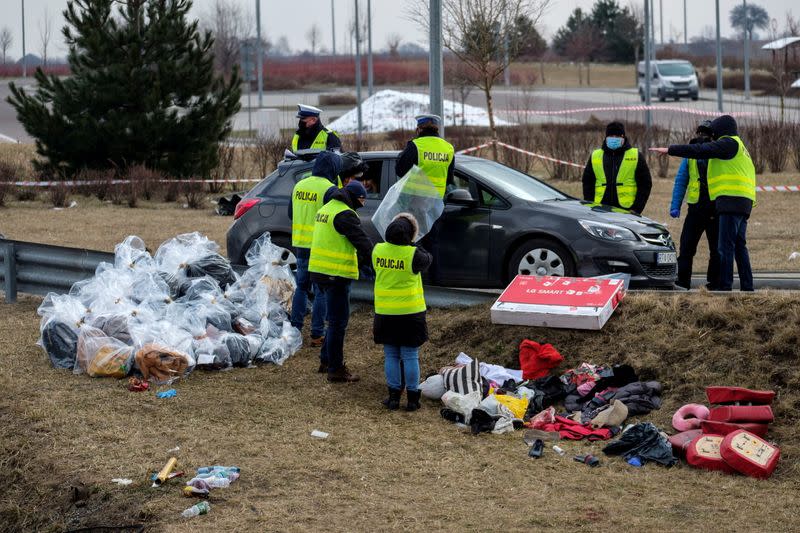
{"points": [[700, 218], [337, 300], [733, 247]]}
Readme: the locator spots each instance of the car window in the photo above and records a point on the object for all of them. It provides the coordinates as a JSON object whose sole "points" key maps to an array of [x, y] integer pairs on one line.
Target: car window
{"points": [[512, 182], [281, 185], [372, 179], [489, 199]]}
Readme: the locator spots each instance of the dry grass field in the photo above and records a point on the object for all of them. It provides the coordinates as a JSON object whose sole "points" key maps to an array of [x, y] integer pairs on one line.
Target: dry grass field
{"points": [[64, 437]]}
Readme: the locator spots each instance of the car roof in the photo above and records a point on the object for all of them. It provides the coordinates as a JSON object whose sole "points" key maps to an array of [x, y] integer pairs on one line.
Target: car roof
{"points": [[379, 154]]}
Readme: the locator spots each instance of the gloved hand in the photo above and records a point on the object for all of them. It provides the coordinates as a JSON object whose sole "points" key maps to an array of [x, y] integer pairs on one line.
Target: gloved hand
{"points": [[675, 213]]}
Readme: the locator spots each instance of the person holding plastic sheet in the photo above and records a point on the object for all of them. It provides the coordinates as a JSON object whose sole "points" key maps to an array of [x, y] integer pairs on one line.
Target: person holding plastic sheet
{"points": [[732, 186], [338, 247], [615, 175], [311, 134], [701, 217], [307, 197], [436, 158], [400, 308]]}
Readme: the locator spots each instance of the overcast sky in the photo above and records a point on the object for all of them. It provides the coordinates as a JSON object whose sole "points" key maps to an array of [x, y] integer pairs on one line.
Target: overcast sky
{"points": [[293, 19]]}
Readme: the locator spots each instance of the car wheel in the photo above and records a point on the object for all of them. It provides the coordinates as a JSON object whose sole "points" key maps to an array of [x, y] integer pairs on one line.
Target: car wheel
{"points": [[641, 95], [661, 96], [695, 98], [541, 257]]}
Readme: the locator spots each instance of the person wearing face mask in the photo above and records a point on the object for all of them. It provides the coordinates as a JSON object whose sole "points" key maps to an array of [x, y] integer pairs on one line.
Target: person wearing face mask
{"points": [[732, 187], [615, 175], [339, 246], [311, 133], [701, 217]]}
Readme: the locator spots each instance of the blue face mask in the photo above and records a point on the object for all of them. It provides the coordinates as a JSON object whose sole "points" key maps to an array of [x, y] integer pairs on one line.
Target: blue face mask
{"points": [[614, 142]]}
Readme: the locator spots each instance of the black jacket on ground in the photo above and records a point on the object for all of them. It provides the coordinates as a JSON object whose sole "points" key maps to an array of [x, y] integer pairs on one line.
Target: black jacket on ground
{"points": [[719, 149], [348, 224], [307, 136], [409, 157], [403, 330], [612, 160]]}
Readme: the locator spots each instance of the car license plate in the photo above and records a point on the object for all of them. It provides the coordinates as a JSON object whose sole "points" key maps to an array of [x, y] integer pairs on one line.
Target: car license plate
{"points": [[666, 258]]}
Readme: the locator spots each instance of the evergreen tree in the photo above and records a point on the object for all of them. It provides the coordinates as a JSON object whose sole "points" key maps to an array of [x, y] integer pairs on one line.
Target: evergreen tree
{"points": [[525, 39], [142, 90], [567, 33], [619, 29]]}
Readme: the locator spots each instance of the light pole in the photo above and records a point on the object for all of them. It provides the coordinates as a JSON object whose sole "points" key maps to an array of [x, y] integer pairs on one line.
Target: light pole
{"points": [[647, 75], [746, 53], [358, 72], [719, 64], [369, 48], [333, 30], [24, 63], [652, 31], [259, 56], [661, 21], [685, 31], [435, 75]]}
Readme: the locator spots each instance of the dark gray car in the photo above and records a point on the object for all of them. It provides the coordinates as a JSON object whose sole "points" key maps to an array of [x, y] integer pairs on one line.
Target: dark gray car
{"points": [[497, 222]]}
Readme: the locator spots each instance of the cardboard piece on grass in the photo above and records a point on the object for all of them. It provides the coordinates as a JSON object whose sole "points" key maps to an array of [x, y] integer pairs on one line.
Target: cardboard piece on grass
{"points": [[558, 302]]}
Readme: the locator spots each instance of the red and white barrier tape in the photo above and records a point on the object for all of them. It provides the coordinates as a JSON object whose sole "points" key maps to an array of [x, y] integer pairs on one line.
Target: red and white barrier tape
{"points": [[778, 188], [673, 108], [475, 148], [115, 182], [540, 156]]}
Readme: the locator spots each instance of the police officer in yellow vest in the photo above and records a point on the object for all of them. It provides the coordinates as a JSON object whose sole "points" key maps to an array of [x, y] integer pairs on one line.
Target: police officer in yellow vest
{"points": [[339, 247], [400, 308], [307, 198], [732, 186], [431, 153], [311, 134], [436, 157], [701, 216], [617, 175]]}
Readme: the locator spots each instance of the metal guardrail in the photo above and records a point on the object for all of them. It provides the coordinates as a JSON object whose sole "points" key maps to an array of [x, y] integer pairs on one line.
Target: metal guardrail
{"points": [[35, 268], [41, 268]]}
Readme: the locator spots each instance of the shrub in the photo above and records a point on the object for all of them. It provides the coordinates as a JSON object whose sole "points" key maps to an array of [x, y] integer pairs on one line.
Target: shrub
{"points": [[337, 99]]}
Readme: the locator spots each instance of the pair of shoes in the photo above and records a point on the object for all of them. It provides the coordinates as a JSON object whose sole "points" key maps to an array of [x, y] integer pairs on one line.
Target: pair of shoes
{"points": [[412, 397], [342, 375], [317, 342], [393, 401], [323, 368]]}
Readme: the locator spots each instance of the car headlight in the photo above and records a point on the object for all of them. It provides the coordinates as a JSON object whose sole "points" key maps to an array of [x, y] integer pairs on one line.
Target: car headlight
{"points": [[607, 232]]}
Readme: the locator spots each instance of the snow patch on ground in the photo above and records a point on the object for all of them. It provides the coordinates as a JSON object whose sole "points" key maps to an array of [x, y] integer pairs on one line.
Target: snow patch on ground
{"points": [[394, 110]]}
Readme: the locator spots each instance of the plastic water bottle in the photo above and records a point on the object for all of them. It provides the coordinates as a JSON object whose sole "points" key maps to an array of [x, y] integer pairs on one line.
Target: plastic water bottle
{"points": [[218, 482], [197, 509]]}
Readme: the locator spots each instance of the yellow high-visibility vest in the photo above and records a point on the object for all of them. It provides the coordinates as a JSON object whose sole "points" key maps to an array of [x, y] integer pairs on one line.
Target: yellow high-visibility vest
{"points": [[434, 156], [307, 198], [732, 177], [398, 290], [626, 177], [331, 252]]}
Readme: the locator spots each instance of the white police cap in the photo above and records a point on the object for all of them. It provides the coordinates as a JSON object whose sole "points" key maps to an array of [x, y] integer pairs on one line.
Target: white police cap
{"points": [[428, 119], [304, 111]]}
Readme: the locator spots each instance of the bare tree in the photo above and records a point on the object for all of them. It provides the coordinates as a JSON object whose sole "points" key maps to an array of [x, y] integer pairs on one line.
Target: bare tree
{"points": [[231, 25], [583, 46], [393, 41], [6, 39], [475, 31], [314, 36], [45, 34]]}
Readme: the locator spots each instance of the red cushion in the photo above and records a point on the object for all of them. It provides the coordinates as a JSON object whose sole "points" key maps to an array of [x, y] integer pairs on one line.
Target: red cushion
{"points": [[723, 428], [742, 413], [749, 454], [680, 441], [703, 452], [739, 394]]}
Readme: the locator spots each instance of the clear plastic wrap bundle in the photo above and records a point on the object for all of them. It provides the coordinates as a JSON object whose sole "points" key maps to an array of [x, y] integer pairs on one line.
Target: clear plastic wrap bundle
{"points": [[278, 349], [413, 193], [132, 254], [174, 255], [63, 316], [163, 351], [213, 265], [268, 267], [99, 355], [240, 348]]}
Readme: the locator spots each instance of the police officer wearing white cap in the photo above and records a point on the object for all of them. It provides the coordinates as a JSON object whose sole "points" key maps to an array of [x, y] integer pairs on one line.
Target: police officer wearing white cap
{"points": [[430, 152], [311, 133]]}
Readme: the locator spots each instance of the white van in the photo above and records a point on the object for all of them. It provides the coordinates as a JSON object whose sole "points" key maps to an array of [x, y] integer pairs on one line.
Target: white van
{"points": [[671, 78]]}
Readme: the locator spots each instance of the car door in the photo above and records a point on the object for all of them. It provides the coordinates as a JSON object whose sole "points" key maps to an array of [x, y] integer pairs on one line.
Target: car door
{"points": [[464, 238]]}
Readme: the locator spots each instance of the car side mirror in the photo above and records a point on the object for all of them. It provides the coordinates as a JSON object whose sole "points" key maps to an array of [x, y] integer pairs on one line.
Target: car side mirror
{"points": [[460, 197]]}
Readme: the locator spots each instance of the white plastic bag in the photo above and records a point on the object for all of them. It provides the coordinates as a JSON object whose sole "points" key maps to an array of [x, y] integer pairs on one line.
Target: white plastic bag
{"points": [[462, 403], [433, 387], [414, 193]]}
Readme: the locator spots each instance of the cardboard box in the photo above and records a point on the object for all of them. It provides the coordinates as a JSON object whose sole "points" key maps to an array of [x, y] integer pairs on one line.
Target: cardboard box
{"points": [[558, 302]]}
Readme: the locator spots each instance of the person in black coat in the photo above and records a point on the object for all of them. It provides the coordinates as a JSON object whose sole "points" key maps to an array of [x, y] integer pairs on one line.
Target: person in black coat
{"points": [[616, 148], [401, 334]]}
